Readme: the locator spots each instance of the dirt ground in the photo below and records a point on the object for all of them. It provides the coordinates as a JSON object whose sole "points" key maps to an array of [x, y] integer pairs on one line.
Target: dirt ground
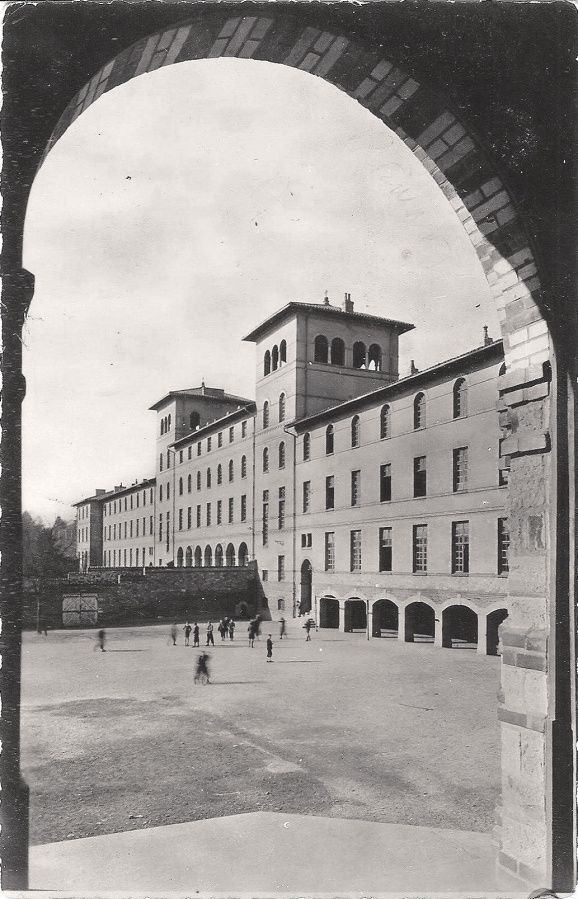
{"points": [[341, 727]]}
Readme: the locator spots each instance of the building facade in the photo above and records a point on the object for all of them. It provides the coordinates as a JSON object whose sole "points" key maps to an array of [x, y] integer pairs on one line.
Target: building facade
{"points": [[368, 500]]}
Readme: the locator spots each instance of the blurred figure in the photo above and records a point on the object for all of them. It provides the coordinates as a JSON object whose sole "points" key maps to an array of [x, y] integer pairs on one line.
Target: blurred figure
{"points": [[174, 633], [210, 638], [222, 628], [100, 640], [202, 669], [282, 628], [308, 624], [196, 634], [252, 629], [231, 629], [269, 648]]}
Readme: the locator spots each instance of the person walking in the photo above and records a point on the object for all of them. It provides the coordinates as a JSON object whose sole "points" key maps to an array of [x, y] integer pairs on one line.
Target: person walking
{"points": [[251, 630], [269, 648], [196, 634], [222, 629], [202, 669], [174, 632], [210, 638], [187, 629], [307, 627], [282, 628], [231, 629], [100, 640]]}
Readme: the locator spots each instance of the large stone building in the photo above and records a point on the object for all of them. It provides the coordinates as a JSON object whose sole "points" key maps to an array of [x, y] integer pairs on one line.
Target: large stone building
{"points": [[372, 501]]}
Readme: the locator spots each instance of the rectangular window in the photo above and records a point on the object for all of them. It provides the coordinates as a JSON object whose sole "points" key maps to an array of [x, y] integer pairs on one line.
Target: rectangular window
{"points": [[330, 492], [144, 497], [220, 438], [231, 434], [355, 488], [355, 551], [281, 516], [419, 476], [265, 517], [137, 500], [460, 469], [243, 429], [199, 448], [209, 444], [151, 525], [180, 455], [231, 509], [385, 483], [208, 515], [219, 511], [330, 551], [264, 574], [124, 557], [137, 527], [130, 558], [460, 547], [306, 540], [125, 530], [419, 548], [180, 519], [244, 507], [280, 568], [189, 452], [130, 528], [385, 549], [160, 526], [160, 469], [198, 516], [503, 546], [125, 504], [503, 477], [306, 496], [189, 518]]}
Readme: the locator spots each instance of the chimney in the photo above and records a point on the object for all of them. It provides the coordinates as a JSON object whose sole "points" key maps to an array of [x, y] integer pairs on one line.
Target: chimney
{"points": [[413, 369], [326, 299], [99, 492], [118, 487], [487, 340], [203, 386], [348, 303]]}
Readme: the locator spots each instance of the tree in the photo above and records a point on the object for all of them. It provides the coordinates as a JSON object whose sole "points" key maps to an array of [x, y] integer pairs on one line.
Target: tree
{"points": [[47, 550]]}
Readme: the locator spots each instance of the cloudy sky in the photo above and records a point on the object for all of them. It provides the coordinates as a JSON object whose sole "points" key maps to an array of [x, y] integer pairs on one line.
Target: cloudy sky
{"points": [[182, 209]]}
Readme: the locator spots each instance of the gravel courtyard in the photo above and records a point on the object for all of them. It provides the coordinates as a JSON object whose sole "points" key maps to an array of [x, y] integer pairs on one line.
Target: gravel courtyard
{"points": [[339, 727]]}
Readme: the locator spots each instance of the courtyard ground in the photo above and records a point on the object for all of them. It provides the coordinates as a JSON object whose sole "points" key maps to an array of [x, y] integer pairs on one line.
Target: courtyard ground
{"points": [[340, 727]]}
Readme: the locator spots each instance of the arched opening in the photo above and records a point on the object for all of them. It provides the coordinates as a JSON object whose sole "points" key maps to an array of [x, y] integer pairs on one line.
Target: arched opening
{"points": [[306, 587], [282, 407], [275, 358], [419, 623], [374, 357], [243, 466], [266, 414], [219, 473], [385, 422], [243, 555], [306, 446], [459, 627], [231, 470], [355, 431], [188, 557], [355, 615], [267, 363], [265, 459], [329, 440], [359, 354], [180, 557], [460, 398], [282, 454], [230, 556], [385, 619], [337, 351], [493, 622], [282, 352], [419, 412], [198, 557], [218, 556], [329, 612], [208, 557], [189, 483], [320, 349]]}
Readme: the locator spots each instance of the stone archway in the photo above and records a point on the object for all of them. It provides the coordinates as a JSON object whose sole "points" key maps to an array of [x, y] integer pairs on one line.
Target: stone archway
{"points": [[328, 612], [385, 618], [419, 622]]}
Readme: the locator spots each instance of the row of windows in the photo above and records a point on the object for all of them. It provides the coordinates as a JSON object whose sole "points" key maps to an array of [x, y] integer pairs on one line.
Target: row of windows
{"points": [[459, 481], [275, 358], [136, 528], [165, 493], [209, 446], [460, 548], [185, 516], [334, 353], [165, 424], [82, 534], [130, 502], [83, 512], [207, 559], [282, 410], [125, 557]]}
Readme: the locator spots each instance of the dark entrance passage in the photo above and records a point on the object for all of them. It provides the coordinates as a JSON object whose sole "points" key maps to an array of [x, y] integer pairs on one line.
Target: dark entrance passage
{"points": [[355, 615], [328, 612], [459, 627], [385, 620], [495, 619], [306, 587], [419, 623]]}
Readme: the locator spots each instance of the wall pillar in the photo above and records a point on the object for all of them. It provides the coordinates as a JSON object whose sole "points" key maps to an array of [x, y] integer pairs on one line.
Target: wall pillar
{"points": [[438, 630], [401, 624], [341, 616], [482, 647]]}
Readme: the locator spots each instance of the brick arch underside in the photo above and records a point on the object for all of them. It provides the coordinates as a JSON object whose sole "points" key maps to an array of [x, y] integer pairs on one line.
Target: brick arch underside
{"points": [[454, 158]]}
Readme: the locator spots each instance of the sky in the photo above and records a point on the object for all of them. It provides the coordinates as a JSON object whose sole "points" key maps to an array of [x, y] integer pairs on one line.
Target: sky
{"points": [[182, 209]]}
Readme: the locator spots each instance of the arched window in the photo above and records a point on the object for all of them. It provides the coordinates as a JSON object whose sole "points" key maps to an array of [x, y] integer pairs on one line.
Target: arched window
{"points": [[243, 466], [265, 459], [168, 491], [219, 473], [189, 483], [208, 557], [282, 352], [329, 440], [194, 421], [359, 354], [337, 351], [385, 422], [180, 557], [282, 407], [218, 555], [169, 422], [374, 357], [306, 446], [208, 477], [161, 493], [267, 363], [162, 426], [243, 555], [282, 454], [355, 430], [161, 462], [419, 411], [180, 486], [230, 556], [321, 349], [275, 358], [198, 557], [460, 398], [188, 557], [231, 470], [198, 480], [266, 414]]}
